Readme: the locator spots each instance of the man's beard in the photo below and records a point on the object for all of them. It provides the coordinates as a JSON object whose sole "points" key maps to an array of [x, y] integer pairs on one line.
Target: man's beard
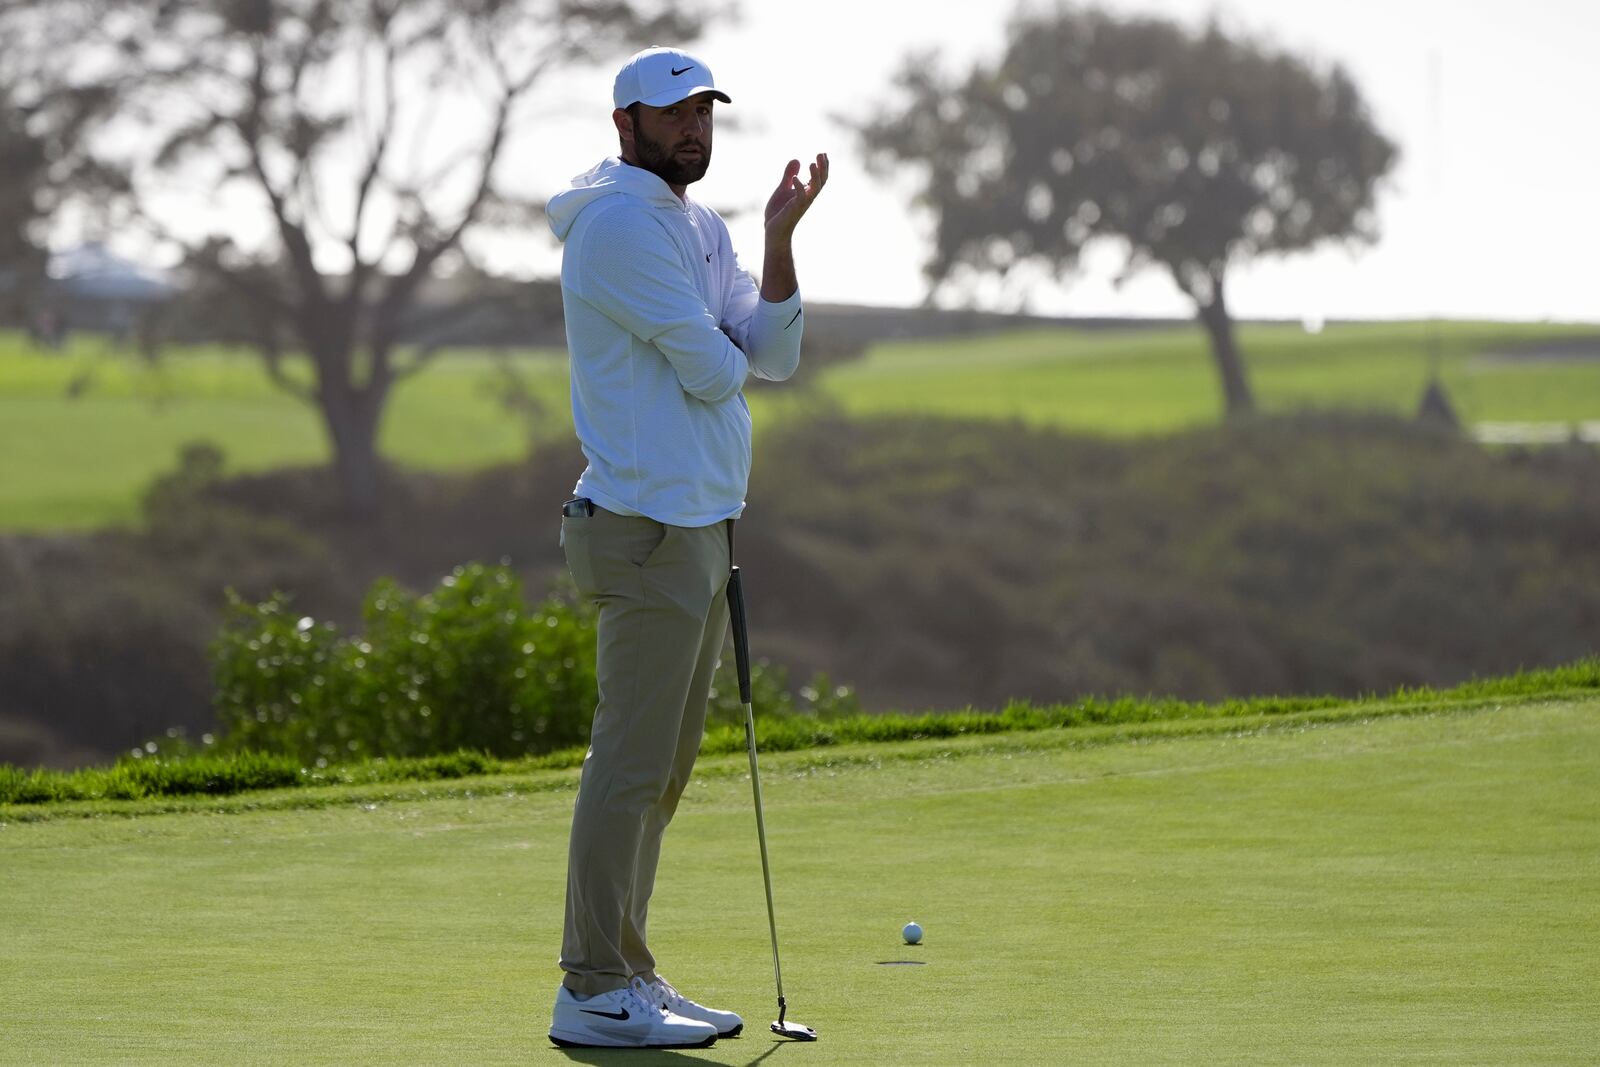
{"points": [[655, 158]]}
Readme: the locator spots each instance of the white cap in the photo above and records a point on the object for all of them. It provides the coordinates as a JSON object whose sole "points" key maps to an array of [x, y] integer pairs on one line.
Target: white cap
{"points": [[661, 76]]}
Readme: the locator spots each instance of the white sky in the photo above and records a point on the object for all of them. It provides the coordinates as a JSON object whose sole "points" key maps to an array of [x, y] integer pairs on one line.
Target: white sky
{"points": [[1490, 213]]}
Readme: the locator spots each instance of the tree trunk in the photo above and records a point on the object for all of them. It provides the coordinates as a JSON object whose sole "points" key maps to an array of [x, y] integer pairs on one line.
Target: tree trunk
{"points": [[1236, 393], [352, 416]]}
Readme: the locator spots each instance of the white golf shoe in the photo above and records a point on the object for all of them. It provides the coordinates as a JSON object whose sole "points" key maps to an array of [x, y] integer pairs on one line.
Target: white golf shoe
{"points": [[624, 1018], [727, 1023]]}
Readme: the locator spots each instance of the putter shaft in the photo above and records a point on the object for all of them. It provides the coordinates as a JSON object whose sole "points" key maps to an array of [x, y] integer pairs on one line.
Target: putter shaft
{"points": [[761, 835], [741, 652]]}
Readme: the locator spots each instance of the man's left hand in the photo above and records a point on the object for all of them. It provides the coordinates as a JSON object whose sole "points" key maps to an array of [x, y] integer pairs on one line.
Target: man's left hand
{"points": [[790, 201]]}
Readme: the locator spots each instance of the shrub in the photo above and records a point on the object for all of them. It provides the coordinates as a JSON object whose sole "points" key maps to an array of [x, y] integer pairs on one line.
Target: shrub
{"points": [[937, 562], [772, 697], [467, 667]]}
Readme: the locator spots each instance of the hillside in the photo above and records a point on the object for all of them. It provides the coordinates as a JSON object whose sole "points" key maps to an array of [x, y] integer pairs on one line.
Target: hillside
{"points": [[930, 563]]}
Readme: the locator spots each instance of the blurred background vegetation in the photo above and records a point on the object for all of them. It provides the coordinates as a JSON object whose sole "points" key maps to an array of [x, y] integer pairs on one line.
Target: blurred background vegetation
{"points": [[949, 507]]}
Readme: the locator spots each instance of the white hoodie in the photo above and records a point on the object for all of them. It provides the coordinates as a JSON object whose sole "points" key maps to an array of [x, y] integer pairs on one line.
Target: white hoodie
{"points": [[663, 326]]}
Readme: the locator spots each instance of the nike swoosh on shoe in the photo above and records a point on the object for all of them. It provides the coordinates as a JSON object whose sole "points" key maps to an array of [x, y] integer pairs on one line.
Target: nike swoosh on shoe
{"points": [[620, 1016]]}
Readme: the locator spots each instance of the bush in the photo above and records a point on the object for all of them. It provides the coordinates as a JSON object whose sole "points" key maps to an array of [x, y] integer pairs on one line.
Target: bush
{"points": [[940, 562], [468, 667], [772, 697]]}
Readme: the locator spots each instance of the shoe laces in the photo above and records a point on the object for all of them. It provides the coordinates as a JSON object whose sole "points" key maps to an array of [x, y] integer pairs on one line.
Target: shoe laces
{"points": [[664, 993], [641, 992]]}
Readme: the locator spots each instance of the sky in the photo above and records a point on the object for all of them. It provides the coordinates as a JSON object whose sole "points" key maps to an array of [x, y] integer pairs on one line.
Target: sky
{"points": [[1490, 213]]}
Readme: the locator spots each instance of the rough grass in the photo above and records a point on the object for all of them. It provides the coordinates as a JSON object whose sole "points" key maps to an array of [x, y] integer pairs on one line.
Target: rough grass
{"points": [[1415, 889], [209, 775], [1159, 380], [82, 433]]}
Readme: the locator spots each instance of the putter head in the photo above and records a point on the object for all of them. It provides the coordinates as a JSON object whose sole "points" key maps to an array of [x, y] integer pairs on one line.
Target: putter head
{"points": [[794, 1031]]}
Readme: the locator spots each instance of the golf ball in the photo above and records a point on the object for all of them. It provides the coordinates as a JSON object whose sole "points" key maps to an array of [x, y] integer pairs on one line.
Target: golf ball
{"points": [[912, 933]]}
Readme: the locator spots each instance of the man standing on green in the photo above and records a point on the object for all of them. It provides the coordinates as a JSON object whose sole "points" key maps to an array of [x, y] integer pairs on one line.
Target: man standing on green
{"points": [[664, 326]]}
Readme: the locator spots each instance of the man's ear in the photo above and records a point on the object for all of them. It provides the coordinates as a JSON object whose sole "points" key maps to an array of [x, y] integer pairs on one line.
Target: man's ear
{"points": [[624, 123]]}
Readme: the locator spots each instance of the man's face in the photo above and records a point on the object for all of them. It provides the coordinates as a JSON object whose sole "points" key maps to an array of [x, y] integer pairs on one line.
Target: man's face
{"points": [[673, 142]]}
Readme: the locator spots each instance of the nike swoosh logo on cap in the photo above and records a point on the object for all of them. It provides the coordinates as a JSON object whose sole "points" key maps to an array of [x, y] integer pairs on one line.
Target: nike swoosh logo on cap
{"points": [[685, 70], [620, 1015]]}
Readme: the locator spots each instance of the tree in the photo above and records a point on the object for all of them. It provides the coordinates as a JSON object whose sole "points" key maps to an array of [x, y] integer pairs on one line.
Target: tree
{"points": [[24, 162], [1195, 151], [350, 136]]}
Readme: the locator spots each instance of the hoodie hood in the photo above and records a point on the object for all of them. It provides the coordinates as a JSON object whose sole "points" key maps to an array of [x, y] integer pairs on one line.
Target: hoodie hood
{"points": [[610, 177]]}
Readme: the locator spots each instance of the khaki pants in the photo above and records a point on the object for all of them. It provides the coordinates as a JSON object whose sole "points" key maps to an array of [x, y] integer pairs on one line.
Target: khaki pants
{"points": [[663, 618]]}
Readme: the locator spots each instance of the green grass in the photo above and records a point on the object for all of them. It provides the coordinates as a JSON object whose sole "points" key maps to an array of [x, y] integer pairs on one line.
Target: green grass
{"points": [[1129, 382], [1413, 889], [79, 461], [140, 784], [82, 433]]}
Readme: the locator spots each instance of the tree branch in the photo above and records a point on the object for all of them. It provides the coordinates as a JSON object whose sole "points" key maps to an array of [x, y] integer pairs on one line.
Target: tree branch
{"points": [[272, 357], [264, 297], [360, 268], [404, 287], [296, 244], [438, 333]]}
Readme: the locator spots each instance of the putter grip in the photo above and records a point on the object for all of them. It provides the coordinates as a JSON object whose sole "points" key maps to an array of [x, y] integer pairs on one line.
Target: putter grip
{"points": [[741, 635]]}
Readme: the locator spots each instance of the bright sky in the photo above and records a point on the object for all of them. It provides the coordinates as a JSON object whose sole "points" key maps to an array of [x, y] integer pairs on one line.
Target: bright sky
{"points": [[1491, 212]]}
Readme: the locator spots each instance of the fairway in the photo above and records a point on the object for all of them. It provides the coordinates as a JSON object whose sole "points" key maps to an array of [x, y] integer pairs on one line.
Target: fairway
{"points": [[1159, 380], [82, 434], [1402, 890]]}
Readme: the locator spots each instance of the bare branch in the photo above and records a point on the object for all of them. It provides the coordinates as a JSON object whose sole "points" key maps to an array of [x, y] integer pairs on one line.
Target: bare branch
{"points": [[319, 23], [296, 244], [360, 268], [272, 358], [404, 287], [444, 327]]}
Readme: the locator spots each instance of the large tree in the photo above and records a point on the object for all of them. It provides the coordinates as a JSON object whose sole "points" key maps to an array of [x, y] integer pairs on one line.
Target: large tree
{"points": [[320, 160], [1194, 150]]}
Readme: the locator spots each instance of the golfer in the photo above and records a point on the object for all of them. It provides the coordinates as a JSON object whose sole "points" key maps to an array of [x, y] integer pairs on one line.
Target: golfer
{"points": [[664, 327]]}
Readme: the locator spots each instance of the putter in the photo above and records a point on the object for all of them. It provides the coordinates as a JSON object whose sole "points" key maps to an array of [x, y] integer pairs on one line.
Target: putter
{"points": [[741, 655]]}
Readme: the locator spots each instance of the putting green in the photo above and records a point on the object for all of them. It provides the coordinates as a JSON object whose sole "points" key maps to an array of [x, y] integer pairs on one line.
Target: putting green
{"points": [[1418, 890]]}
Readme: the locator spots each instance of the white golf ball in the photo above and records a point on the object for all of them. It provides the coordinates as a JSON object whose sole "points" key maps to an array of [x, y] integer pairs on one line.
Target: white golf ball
{"points": [[912, 933]]}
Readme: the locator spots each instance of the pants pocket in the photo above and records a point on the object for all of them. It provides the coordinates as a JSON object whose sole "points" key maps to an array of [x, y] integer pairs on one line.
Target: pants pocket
{"points": [[656, 549], [576, 543], [607, 552], [622, 539]]}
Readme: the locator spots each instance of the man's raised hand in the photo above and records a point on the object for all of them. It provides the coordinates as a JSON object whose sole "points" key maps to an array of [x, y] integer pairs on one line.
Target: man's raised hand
{"points": [[792, 198]]}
